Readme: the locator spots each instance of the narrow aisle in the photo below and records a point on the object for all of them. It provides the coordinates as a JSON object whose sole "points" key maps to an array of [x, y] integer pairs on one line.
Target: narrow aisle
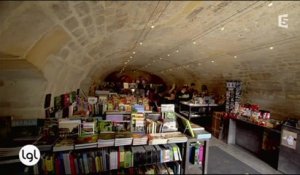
{"points": [[228, 159]]}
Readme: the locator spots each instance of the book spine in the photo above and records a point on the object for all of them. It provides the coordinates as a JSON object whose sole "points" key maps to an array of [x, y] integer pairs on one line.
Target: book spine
{"points": [[201, 151]]}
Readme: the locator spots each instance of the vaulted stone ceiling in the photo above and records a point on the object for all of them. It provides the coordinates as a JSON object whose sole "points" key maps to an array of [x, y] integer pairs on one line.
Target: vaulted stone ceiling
{"points": [[75, 43]]}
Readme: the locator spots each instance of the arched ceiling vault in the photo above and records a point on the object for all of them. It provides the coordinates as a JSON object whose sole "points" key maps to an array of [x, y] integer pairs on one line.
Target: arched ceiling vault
{"points": [[205, 40]]}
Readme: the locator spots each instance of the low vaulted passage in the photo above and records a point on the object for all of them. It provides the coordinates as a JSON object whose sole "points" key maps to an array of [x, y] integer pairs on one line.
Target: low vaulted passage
{"points": [[58, 47]]}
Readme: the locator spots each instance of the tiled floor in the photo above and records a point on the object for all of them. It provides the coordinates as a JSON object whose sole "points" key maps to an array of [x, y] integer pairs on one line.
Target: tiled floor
{"points": [[244, 156]]}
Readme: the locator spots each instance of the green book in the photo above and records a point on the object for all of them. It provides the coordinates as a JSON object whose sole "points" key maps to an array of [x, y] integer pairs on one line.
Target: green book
{"points": [[105, 126], [127, 159]]}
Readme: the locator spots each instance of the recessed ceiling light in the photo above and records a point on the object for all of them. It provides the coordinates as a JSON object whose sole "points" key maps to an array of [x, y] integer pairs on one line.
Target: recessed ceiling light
{"points": [[160, 58], [141, 43], [212, 61], [177, 51], [130, 57], [222, 28], [194, 42], [168, 55], [271, 48], [270, 4], [235, 56], [152, 27], [133, 52]]}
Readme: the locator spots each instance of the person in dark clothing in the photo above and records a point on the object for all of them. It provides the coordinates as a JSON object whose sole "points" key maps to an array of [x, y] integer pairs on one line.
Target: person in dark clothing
{"points": [[183, 94], [192, 91]]}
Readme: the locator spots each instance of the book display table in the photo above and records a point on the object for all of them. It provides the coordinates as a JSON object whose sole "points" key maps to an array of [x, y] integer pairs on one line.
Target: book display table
{"points": [[201, 109]]}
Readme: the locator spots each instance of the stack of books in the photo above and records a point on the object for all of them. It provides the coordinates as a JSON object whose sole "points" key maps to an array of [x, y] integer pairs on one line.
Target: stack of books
{"points": [[158, 138], [106, 139], [137, 122], [153, 126], [123, 138], [163, 138], [88, 141], [176, 137], [64, 144], [139, 139]]}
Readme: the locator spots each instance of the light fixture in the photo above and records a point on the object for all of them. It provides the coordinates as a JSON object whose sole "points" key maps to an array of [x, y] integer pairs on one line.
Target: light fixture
{"points": [[141, 43], [133, 52], [177, 51], [212, 61], [235, 56], [270, 4], [222, 28], [152, 27], [168, 55], [194, 42], [271, 48], [130, 57], [160, 58]]}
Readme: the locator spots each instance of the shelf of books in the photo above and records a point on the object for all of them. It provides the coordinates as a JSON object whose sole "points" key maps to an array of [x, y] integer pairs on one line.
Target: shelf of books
{"points": [[127, 139], [197, 146]]}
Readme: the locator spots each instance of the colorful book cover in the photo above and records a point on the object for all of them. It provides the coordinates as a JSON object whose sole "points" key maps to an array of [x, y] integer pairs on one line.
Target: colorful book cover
{"points": [[105, 126], [201, 156]]}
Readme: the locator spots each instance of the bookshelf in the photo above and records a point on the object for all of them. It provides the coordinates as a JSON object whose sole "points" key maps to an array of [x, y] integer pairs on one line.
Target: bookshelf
{"points": [[114, 159], [172, 154], [196, 147], [190, 167]]}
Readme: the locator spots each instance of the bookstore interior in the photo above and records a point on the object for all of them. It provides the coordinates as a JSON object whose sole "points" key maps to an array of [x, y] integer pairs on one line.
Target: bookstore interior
{"points": [[105, 87]]}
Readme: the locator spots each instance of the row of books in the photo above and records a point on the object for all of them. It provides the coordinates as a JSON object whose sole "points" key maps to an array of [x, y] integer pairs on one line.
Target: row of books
{"points": [[197, 153], [120, 139], [107, 159]]}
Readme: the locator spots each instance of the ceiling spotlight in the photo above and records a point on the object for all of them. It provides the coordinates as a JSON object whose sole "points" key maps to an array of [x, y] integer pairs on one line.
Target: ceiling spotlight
{"points": [[222, 28], [141, 43], [177, 51], [168, 55], [271, 48], [235, 56], [130, 57], [212, 61], [270, 4], [152, 27], [133, 52], [160, 58], [194, 42]]}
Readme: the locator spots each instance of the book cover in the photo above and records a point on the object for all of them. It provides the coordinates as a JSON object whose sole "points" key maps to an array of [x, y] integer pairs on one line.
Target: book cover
{"points": [[128, 159], [105, 126], [201, 152]]}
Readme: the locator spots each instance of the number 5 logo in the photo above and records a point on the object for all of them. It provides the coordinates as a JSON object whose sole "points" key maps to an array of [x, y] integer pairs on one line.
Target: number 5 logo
{"points": [[282, 21]]}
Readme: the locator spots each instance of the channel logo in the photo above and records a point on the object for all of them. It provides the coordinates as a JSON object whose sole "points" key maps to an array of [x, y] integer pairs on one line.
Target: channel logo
{"points": [[283, 21], [29, 155]]}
